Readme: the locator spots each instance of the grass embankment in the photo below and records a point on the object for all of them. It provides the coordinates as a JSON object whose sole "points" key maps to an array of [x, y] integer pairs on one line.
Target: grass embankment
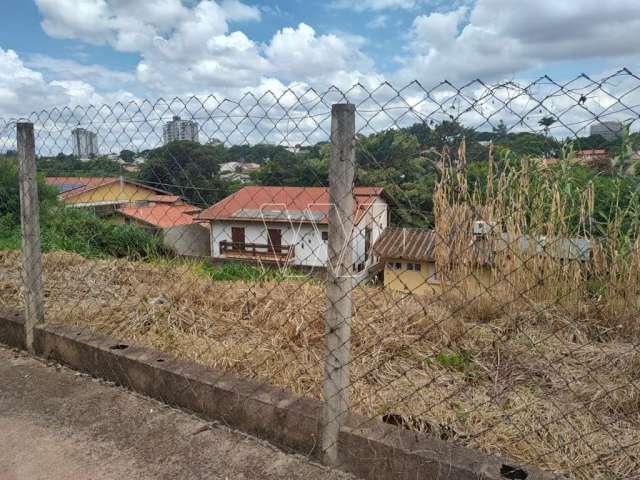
{"points": [[527, 380]]}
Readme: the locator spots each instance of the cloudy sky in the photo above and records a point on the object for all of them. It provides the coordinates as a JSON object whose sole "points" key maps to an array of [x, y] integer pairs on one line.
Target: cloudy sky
{"points": [[55, 52]]}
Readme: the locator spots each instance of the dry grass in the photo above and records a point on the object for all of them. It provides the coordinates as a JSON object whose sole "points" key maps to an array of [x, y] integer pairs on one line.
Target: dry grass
{"points": [[525, 201], [527, 381]]}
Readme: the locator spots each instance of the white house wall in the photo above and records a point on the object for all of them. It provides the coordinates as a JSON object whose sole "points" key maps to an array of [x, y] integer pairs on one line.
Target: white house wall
{"points": [[310, 249], [190, 240], [376, 218]]}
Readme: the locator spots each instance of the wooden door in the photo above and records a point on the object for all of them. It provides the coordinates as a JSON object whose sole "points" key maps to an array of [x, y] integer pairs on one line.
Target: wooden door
{"points": [[237, 238], [275, 240]]}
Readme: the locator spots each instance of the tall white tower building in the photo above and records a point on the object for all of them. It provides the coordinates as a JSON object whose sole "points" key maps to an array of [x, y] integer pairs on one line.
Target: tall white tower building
{"points": [[178, 129]]}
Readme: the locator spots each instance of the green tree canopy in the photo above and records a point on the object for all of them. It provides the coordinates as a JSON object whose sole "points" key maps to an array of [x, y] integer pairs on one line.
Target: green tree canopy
{"points": [[289, 169], [187, 169], [10, 193], [70, 166], [127, 156]]}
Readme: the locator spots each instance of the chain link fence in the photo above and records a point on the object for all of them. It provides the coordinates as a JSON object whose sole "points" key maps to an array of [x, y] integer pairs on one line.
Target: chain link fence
{"points": [[459, 261]]}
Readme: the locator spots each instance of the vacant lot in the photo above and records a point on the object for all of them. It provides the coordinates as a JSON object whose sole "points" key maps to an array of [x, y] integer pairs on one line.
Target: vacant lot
{"points": [[531, 382]]}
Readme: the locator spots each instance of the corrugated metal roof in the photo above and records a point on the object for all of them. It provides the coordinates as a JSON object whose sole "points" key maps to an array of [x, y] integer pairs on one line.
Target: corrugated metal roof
{"points": [[420, 244], [406, 244]]}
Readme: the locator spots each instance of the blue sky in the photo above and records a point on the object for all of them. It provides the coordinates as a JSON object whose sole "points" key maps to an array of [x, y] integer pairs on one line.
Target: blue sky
{"points": [[88, 51], [385, 31]]}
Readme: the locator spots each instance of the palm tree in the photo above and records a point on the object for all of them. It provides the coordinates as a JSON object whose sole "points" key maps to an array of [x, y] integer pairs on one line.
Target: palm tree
{"points": [[546, 122]]}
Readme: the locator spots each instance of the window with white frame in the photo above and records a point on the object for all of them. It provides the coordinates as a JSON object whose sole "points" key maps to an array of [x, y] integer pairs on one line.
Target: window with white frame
{"points": [[414, 267]]}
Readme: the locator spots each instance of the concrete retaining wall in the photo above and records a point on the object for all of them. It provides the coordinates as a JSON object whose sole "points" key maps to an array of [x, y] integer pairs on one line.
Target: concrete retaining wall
{"points": [[369, 449]]}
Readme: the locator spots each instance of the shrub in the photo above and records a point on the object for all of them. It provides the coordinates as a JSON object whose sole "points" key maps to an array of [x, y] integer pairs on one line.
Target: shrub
{"points": [[239, 271], [10, 193], [73, 229], [80, 231], [460, 362]]}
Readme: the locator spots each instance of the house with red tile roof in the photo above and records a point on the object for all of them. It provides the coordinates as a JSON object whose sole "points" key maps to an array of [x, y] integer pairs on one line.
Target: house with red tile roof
{"points": [[104, 194], [122, 200], [289, 225], [161, 214], [173, 219]]}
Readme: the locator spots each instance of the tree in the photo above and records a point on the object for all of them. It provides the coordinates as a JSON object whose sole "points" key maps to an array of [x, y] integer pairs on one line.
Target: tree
{"points": [[10, 193], [127, 156], [260, 153], [288, 169], [187, 169], [69, 165], [546, 123], [443, 141], [623, 160], [530, 144], [387, 149], [500, 131]]}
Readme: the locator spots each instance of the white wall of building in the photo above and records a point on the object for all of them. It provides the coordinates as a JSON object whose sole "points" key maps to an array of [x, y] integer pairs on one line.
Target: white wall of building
{"points": [[191, 240], [178, 129], [375, 218], [85, 143], [310, 248]]}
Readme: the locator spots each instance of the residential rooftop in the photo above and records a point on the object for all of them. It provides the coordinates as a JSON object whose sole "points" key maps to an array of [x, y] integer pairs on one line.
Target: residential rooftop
{"points": [[300, 204]]}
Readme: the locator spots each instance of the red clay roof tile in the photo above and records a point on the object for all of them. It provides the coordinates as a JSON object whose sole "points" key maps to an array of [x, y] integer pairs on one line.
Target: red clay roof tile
{"points": [[292, 199], [162, 216]]}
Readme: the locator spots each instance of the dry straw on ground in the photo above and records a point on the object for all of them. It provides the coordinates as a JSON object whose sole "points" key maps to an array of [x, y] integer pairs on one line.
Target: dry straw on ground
{"points": [[530, 383]]}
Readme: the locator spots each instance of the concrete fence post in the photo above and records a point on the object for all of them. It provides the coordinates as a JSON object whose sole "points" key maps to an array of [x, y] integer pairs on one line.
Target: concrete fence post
{"points": [[30, 224], [339, 281]]}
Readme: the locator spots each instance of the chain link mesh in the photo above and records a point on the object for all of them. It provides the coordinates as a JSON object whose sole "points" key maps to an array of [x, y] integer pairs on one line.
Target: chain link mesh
{"points": [[494, 254]]}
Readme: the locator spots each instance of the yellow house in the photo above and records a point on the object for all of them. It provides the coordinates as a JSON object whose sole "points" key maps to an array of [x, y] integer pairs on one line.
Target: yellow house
{"points": [[409, 259], [409, 256], [105, 194]]}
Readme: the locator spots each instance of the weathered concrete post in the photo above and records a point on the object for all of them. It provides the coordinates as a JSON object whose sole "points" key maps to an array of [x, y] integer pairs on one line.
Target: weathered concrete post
{"points": [[30, 221], [339, 278]]}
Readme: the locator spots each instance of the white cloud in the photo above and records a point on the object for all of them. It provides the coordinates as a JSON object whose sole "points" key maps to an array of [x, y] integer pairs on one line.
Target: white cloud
{"points": [[239, 12], [191, 49], [502, 38], [67, 69], [379, 21], [23, 89], [104, 21], [194, 47], [437, 30], [85, 19], [300, 54], [162, 14], [79, 92]]}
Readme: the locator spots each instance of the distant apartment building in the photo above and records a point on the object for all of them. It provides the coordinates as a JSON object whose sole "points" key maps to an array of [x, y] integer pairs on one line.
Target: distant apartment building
{"points": [[608, 130], [178, 129], [85, 143]]}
